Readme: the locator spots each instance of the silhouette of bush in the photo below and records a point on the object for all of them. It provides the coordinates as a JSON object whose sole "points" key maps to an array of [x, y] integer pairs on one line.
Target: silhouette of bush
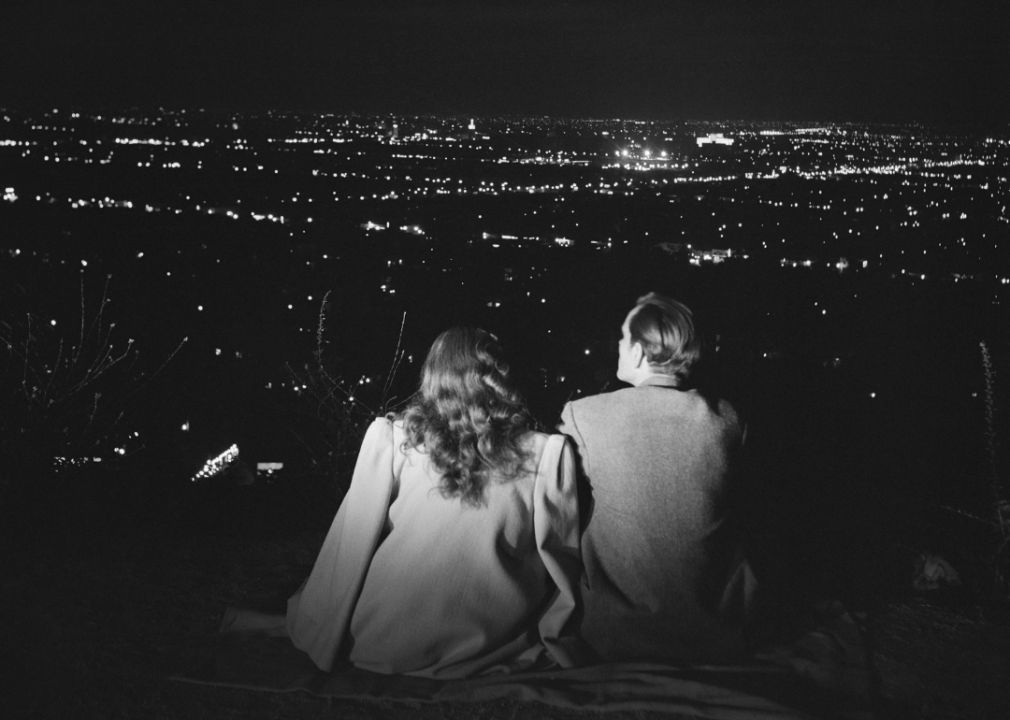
{"points": [[996, 519], [341, 402], [64, 390]]}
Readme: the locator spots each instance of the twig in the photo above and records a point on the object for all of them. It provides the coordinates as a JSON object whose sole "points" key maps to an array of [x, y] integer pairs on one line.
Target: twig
{"points": [[397, 357], [967, 514], [167, 361], [319, 339], [990, 437], [80, 343], [28, 337], [94, 409], [56, 369], [320, 327], [101, 309]]}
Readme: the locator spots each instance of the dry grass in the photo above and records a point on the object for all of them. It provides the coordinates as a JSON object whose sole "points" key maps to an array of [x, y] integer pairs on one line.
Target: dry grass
{"points": [[98, 620], [98, 617], [936, 661]]}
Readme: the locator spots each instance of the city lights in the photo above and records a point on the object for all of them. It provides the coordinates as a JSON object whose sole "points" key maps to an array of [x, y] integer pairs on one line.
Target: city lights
{"points": [[438, 200], [217, 464], [268, 469]]}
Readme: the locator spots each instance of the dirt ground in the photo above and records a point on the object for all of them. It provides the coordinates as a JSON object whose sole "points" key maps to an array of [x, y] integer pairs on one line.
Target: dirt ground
{"points": [[102, 606]]}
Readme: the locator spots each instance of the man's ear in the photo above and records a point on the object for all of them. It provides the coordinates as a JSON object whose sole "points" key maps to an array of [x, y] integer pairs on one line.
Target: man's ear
{"points": [[637, 354]]}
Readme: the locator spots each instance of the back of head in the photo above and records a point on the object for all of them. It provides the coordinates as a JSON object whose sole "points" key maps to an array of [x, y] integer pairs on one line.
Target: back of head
{"points": [[467, 415], [665, 330]]}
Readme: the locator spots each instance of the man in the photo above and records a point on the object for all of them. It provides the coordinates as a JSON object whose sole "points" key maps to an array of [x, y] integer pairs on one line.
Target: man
{"points": [[665, 579]]}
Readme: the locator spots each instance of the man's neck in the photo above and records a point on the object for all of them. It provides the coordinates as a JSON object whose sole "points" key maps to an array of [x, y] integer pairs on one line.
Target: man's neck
{"points": [[658, 379]]}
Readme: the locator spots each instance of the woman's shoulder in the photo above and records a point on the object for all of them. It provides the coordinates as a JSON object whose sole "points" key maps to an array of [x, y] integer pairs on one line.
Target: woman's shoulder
{"points": [[392, 426], [390, 423], [378, 434], [382, 425], [382, 432], [395, 422], [534, 442]]}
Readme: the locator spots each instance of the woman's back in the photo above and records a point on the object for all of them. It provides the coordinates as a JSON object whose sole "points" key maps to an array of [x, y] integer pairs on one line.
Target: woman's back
{"points": [[447, 589], [452, 587], [456, 548]]}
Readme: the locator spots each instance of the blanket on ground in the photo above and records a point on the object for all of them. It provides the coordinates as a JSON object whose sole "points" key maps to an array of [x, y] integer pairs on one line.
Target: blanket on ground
{"points": [[821, 674]]}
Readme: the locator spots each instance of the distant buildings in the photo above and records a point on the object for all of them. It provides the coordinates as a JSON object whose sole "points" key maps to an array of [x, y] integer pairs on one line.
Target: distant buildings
{"points": [[713, 255], [714, 139], [905, 198]]}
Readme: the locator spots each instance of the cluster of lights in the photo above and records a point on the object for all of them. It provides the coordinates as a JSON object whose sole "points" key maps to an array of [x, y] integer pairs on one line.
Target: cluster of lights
{"points": [[62, 463], [102, 203], [715, 256], [217, 464], [139, 141], [713, 139], [269, 216], [268, 469], [860, 155]]}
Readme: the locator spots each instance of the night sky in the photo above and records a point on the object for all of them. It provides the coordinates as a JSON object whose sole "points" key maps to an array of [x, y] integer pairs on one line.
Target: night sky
{"points": [[944, 62]]}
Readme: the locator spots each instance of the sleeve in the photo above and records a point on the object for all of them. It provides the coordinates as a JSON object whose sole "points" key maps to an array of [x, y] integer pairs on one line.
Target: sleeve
{"points": [[320, 612], [556, 524], [568, 427]]}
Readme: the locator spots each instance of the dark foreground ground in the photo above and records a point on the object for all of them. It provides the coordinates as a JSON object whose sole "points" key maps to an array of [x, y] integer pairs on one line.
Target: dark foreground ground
{"points": [[106, 593]]}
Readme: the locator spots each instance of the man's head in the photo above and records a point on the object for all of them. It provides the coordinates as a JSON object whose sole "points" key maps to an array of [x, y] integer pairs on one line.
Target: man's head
{"points": [[657, 338]]}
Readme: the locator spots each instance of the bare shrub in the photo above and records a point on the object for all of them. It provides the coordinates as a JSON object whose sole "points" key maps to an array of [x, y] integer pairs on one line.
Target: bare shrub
{"points": [[64, 391], [342, 403], [997, 517]]}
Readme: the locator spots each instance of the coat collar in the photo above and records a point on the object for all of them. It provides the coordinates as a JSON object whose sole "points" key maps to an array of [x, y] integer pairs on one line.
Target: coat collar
{"points": [[659, 381]]}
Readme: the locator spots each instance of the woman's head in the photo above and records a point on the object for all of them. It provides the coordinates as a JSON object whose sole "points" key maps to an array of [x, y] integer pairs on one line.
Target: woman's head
{"points": [[467, 414], [465, 363]]}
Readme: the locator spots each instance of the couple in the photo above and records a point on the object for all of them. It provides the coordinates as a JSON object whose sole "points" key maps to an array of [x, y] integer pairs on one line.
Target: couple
{"points": [[458, 549]]}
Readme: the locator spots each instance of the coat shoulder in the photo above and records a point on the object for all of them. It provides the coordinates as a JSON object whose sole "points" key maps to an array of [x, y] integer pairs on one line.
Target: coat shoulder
{"points": [[601, 403], [533, 443]]}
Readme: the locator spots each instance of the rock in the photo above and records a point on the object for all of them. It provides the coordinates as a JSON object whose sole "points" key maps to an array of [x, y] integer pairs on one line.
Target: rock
{"points": [[932, 572]]}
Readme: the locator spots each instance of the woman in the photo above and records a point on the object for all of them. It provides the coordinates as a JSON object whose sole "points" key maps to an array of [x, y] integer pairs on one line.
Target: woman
{"points": [[456, 549]]}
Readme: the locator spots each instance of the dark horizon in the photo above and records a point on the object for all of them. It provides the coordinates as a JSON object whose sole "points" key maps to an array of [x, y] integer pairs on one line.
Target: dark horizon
{"points": [[787, 61]]}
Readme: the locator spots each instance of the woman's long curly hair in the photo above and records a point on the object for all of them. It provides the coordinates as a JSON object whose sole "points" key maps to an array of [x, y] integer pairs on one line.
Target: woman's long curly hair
{"points": [[467, 415]]}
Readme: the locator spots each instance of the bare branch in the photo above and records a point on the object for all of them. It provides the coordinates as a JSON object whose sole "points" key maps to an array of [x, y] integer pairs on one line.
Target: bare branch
{"points": [[397, 356]]}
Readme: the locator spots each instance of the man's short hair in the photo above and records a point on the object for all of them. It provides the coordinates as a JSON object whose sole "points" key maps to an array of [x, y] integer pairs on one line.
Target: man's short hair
{"points": [[665, 330]]}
